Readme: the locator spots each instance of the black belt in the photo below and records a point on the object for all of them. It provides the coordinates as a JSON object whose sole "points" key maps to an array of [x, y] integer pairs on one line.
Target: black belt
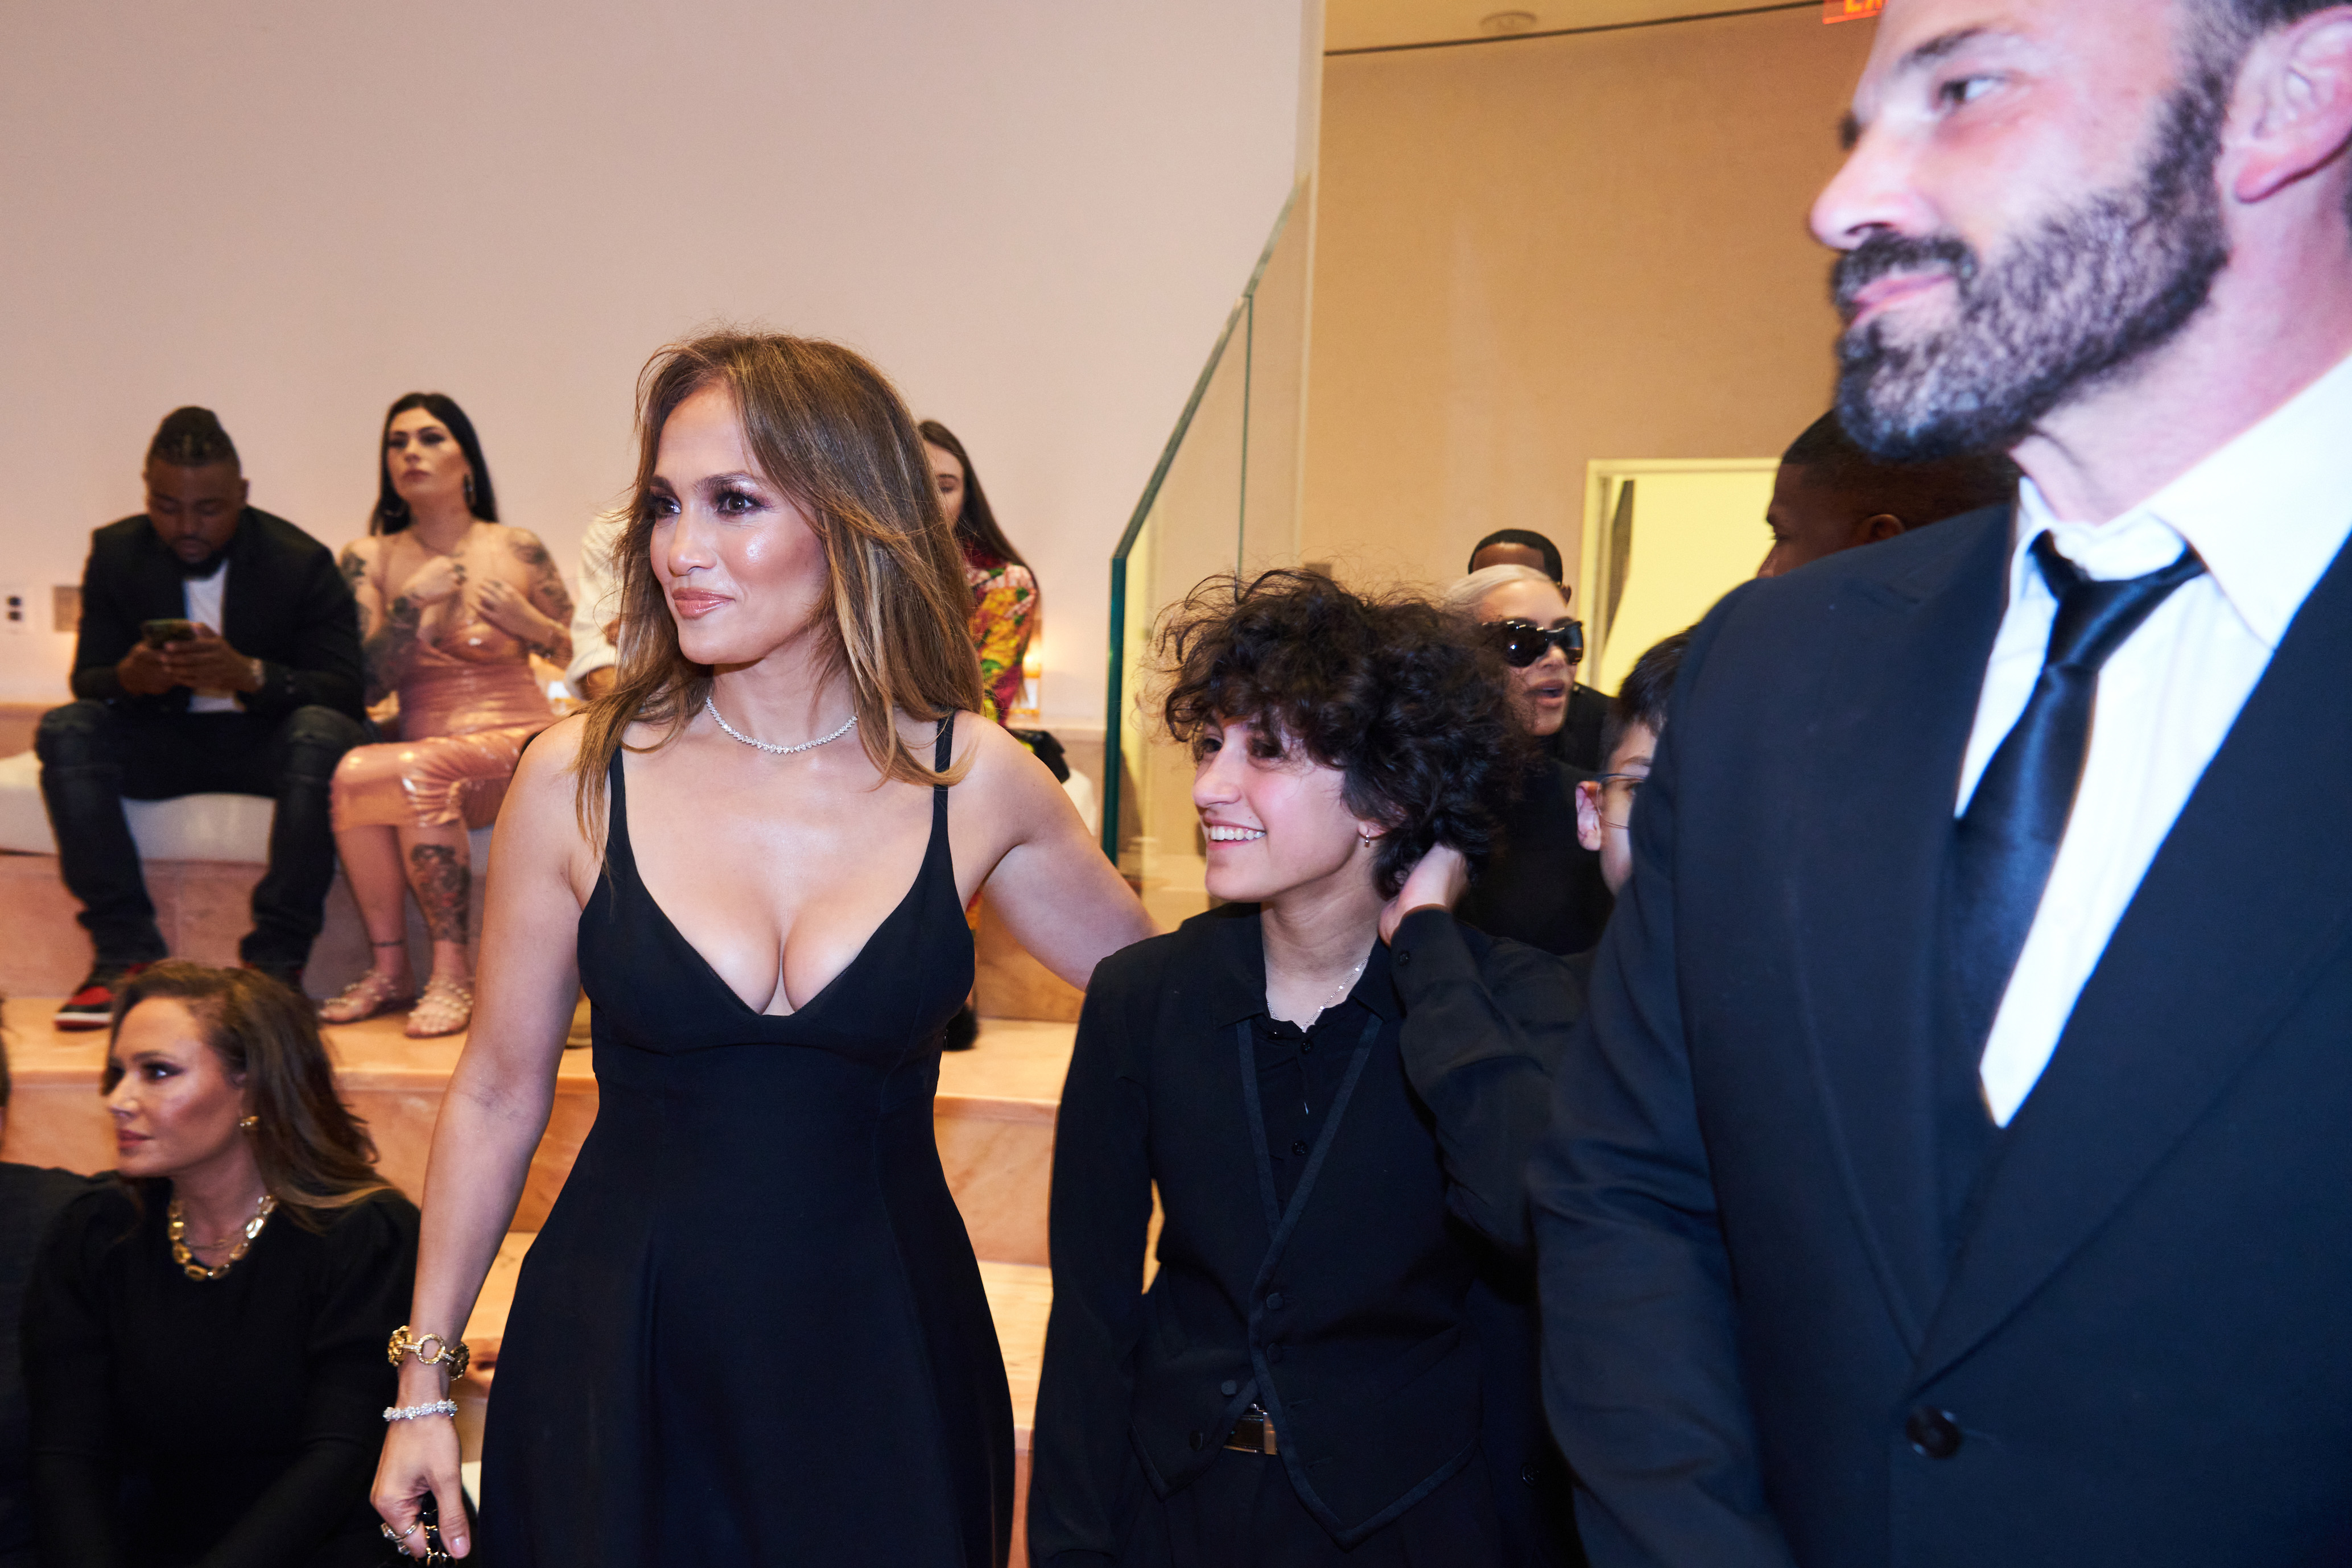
{"points": [[1253, 1433]]}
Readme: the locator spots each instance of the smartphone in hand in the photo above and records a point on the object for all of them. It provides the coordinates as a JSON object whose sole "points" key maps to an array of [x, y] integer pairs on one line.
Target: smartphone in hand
{"points": [[170, 629]]}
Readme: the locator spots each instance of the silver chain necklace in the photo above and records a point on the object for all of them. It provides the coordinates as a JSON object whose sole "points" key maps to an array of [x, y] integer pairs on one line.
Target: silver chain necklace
{"points": [[712, 708]]}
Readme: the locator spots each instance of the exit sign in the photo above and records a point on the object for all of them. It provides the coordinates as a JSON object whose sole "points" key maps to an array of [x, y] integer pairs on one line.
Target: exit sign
{"points": [[1851, 10]]}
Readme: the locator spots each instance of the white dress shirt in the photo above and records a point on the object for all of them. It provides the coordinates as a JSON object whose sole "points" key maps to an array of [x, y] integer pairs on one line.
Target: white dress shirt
{"points": [[202, 596], [598, 600], [2267, 514]]}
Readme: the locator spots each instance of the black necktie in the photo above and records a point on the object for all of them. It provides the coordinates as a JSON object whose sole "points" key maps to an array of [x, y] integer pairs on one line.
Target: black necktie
{"points": [[2005, 842]]}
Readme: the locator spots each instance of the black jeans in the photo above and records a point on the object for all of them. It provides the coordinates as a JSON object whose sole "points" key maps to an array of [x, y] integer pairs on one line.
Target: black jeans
{"points": [[95, 756]]}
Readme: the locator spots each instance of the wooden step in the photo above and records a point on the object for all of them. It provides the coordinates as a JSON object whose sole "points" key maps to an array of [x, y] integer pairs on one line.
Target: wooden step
{"points": [[993, 1118], [204, 908]]}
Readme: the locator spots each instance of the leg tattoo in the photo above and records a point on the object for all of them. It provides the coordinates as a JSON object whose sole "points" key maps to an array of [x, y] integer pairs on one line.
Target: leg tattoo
{"points": [[442, 882]]}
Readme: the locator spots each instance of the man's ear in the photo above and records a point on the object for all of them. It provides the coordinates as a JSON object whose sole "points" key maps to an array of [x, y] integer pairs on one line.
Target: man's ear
{"points": [[2293, 109], [1587, 814], [1871, 529]]}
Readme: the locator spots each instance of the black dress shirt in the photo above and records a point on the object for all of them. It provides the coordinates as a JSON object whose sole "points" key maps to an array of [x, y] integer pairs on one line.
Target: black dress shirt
{"points": [[228, 1422], [1542, 886], [285, 604], [1333, 1289], [1577, 742]]}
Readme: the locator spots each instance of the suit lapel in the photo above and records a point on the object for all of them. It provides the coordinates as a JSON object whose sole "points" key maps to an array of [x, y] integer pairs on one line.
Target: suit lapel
{"points": [[2249, 898], [1893, 726], [244, 587]]}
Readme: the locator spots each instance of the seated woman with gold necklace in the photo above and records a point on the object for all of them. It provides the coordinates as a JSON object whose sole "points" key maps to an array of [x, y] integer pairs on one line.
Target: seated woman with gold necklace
{"points": [[205, 1337]]}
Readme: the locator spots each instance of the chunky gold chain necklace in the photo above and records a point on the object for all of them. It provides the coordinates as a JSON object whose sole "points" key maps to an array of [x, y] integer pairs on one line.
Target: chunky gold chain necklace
{"points": [[183, 1255]]}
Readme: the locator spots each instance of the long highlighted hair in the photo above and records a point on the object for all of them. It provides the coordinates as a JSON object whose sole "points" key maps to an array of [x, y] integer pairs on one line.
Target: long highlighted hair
{"points": [[829, 430]]}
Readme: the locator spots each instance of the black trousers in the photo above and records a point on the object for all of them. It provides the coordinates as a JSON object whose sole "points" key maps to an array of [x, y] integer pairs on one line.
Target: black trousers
{"points": [[1242, 1512], [94, 756]]}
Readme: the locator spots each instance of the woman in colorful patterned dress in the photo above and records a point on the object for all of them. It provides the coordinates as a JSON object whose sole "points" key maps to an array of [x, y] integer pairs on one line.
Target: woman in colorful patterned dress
{"points": [[1004, 589]]}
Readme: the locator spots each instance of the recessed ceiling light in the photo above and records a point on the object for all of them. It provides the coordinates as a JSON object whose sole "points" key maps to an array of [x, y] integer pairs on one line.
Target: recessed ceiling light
{"points": [[1502, 23]]}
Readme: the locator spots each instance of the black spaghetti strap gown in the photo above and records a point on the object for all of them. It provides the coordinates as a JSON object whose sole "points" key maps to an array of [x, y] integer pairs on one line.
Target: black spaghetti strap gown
{"points": [[753, 1331]]}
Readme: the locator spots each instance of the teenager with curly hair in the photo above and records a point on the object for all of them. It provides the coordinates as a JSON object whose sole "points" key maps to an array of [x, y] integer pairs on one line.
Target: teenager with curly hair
{"points": [[1312, 1376]]}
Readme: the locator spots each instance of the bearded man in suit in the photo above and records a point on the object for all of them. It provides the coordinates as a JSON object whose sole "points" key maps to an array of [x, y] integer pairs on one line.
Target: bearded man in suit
{"points": [[1954, 1169]]}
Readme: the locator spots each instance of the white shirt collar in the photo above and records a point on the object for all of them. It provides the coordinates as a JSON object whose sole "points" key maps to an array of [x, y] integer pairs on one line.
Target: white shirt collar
{"points": [[2267, 513]]}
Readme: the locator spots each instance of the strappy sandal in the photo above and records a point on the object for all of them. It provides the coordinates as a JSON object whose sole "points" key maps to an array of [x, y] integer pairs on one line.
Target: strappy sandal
{"points": [[370, 995], [445, 1008]]}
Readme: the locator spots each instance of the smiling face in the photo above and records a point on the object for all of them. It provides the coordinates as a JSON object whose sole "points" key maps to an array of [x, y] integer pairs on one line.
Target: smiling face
{"points": [[194, 510], [175, 1105], [2029, 209], [742, 569], [1540, 690], [423, 459], [1276, 824]]}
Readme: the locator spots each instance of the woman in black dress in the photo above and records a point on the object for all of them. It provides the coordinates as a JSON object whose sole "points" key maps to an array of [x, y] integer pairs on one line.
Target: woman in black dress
{"points": [[1325, 1371], [752, 1330], [1542, 886], [203, 1338]]}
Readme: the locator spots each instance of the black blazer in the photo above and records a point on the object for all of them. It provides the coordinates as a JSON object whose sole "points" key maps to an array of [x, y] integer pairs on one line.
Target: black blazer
{"points": [[1758, 1349], [1353, 1333], [285, 605]]}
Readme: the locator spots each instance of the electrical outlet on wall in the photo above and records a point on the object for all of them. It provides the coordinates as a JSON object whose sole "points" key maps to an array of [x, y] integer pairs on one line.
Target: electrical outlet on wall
{"points": [[15, 609]]}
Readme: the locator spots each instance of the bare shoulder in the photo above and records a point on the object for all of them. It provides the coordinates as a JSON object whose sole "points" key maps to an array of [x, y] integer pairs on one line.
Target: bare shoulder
{"points": [[1002, 776], [524, 545], [546, 773], [362, 554]]}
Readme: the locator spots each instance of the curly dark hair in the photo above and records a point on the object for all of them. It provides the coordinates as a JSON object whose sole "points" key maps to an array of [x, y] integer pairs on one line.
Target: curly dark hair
{"points": [[1411, 703]]}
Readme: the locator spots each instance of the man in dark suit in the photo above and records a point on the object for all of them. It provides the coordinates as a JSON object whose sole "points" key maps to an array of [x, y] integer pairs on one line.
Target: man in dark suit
{"points": [[1954, 1170], [30, 1198], [219, 650]]}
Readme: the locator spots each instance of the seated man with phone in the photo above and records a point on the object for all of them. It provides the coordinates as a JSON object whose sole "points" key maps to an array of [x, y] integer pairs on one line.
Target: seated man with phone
{"points": [[219, 650]]}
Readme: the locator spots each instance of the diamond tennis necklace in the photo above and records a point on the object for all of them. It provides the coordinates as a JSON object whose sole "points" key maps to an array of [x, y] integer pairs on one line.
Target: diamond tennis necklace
{"points": [[711, 708]]}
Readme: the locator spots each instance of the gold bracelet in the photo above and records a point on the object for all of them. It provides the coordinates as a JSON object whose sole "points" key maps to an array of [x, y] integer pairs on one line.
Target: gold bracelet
{"points": [[449, 1351]]}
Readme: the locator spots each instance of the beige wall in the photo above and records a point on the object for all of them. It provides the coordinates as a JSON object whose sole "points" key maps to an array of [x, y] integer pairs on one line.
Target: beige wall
{"points": [[1034, 214], [1532, 254]]}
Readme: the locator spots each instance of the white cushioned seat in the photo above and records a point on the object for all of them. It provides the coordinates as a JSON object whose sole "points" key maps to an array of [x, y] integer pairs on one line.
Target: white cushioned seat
{"points": [[192, 827]]}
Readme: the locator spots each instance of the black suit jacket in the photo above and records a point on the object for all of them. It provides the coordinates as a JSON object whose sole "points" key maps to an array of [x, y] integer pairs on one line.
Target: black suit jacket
{"points": [[285, 605], [2144, 1342], [1352, 1324]]}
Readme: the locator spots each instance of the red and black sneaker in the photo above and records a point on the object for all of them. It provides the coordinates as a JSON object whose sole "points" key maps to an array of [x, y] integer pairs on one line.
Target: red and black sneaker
{"points": [[92, 1007]]}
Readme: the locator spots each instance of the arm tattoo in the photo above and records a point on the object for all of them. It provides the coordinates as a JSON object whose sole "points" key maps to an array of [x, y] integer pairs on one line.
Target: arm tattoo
{"points": [[444, 884], [547, 596], [353, 566], [390, 648]]}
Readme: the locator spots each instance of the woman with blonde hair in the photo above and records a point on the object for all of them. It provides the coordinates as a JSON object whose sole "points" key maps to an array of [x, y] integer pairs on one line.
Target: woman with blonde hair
{"points": [[752, 1329], [203, 1336]]}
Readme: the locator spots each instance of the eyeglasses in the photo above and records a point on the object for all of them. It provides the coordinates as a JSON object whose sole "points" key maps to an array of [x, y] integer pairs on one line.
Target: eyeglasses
{"points": [[1522, 643], [1614, 795]]}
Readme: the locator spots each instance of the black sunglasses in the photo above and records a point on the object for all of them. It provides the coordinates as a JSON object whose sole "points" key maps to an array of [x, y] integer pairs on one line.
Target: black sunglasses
{"points": [[1523, 642]]}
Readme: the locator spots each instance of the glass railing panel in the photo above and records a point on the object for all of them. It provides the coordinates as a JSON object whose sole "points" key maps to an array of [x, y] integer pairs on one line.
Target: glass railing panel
{"points": [[1223, 497]]}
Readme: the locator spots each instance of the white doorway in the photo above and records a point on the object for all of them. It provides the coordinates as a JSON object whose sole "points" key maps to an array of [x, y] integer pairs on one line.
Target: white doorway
{"points": [[1662, 541]]}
